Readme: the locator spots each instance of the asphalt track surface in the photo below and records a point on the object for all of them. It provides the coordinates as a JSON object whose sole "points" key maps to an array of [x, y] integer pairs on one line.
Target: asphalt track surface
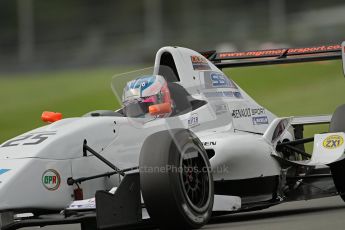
{"points": [[319, 214]]}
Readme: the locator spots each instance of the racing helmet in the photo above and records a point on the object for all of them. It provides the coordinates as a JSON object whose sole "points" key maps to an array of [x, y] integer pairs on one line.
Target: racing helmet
{"points": [[147, 96]]}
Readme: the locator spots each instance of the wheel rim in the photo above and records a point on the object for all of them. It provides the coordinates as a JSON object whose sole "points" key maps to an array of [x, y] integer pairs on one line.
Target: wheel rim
{"points": [[195, 178]]}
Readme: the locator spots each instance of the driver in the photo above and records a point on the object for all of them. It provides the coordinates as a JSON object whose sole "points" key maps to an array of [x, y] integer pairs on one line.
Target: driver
{"points": [[147, 97]]}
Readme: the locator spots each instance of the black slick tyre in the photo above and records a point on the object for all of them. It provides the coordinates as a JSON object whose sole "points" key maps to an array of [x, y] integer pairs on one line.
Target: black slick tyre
{"points": [[176, 180]]}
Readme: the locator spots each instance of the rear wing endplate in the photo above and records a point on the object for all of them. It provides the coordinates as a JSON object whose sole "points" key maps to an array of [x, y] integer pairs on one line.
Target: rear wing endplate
{"points": [[277, 56]]}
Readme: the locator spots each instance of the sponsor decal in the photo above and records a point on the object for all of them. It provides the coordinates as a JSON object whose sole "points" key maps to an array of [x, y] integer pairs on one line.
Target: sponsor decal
{"points": [[219, 94], [199, 63], [238, 95], [247, 112], [223, 94], [333, 141], [209, 143], [258, 111], [277, 52], [260, 120], [217, 80], [238, 113], [193, 120], [51, 179], [2, 171], [83, 204]]}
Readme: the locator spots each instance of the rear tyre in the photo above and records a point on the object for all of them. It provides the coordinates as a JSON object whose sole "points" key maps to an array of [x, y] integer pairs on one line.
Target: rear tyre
{"points": [[338, 174], [338, 168], [176, 180]]}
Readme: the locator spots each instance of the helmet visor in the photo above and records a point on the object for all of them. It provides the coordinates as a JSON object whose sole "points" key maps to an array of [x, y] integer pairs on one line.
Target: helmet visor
{"points": [[138, 108]]}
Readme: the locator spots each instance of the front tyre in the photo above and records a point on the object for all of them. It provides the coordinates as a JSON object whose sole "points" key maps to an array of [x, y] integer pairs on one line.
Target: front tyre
{"points": [[176, 180]]}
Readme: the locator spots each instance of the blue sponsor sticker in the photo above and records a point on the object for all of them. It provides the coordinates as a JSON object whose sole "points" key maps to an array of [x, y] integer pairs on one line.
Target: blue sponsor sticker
{"points": [[238, 95], [220, 81], [263, 120], [217, 80], [2, 171]]}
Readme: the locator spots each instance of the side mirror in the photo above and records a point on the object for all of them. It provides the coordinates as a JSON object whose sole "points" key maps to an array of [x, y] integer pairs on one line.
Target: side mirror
{"points": [[160, 109], [48, 116]]}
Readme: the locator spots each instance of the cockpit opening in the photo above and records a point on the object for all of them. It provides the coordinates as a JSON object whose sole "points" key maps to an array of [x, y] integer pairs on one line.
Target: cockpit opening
{"points": [[167, 68]]}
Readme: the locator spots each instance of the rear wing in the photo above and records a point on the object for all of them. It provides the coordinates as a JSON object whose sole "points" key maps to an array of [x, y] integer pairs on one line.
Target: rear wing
{"points": [[277, 56]]}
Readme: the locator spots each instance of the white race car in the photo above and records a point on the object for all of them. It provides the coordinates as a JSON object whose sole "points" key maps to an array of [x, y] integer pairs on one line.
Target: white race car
{"points": [[187, 143]]}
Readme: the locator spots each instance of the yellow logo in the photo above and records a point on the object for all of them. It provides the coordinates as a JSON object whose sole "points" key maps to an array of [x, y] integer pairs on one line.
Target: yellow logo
{"points": [[333, 141]]}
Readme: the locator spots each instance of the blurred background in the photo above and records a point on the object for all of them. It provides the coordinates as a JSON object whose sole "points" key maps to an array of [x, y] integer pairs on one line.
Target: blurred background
{"points": [[61, 55], [40, 34]]}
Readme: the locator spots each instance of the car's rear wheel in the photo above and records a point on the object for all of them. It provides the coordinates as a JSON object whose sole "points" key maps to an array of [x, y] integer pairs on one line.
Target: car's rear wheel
{"points": [[338, 174], [176, 180]]}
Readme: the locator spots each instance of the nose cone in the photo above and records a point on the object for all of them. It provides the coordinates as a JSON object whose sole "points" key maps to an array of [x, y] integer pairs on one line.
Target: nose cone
{"points": [[34, 183]]}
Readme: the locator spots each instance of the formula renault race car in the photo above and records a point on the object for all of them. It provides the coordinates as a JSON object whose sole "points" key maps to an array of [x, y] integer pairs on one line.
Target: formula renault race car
{"points": [[187, 144]]}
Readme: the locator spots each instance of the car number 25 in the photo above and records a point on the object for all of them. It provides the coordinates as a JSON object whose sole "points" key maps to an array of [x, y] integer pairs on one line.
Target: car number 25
{"points": [[29, 139]]}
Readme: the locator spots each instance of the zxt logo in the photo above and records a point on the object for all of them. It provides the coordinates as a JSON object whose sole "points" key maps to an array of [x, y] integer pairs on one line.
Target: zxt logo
{"points": [[333, 142]]}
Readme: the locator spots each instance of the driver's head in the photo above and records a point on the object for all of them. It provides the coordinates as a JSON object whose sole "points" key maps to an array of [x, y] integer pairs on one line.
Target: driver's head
{"points": [[147, 96]]}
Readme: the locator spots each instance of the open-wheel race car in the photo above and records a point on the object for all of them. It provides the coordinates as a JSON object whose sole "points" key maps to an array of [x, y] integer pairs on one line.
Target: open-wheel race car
{"points": [[188, 143]]}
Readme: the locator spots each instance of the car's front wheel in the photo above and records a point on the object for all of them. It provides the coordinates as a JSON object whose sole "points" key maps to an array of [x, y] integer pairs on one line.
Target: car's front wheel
{"points": [[176, 180]]}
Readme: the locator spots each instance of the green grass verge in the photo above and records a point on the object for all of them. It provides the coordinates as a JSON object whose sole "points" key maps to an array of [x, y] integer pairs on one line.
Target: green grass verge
{"points": [[295, 89], [74, 93], [298, 89]]}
